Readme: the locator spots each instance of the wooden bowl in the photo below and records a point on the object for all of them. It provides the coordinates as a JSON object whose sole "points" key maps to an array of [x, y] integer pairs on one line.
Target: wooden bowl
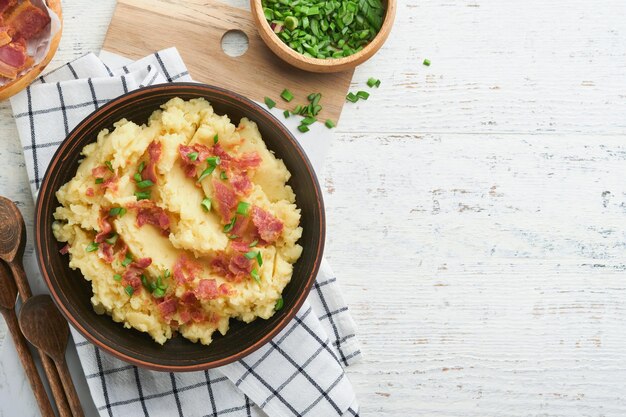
{"points": [[72, 292], [315, 64], [20, 83]]}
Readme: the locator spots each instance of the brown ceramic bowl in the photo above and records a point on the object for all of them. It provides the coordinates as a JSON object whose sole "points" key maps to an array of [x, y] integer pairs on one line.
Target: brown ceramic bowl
{"points": [[72, 292], [284, 52]]}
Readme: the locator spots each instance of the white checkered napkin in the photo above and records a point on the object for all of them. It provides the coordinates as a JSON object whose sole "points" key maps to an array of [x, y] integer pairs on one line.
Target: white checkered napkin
{"points": [[299, 373]]}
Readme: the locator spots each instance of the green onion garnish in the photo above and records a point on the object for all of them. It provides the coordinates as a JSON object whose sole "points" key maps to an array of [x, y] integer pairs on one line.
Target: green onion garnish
{"points": [[231, 237], [214, 160], [112, 238], [223, 175], [167, 273], [308, 120], [206, 204], [329, 123], [192, 156], [303, 128], [311, 96], [242, 208], [255, 275], [117, 211], [291, 23], [316, 99], [279, 304], [286, 113], [251, 255], [215, 138], [158, 292], [286, 94], [137, 177], [129, 290], [373, 82], [206, 173], [270, 103], [127, 260], [144, 281], [145, 184], [352, 98], [363, 95], [259, 258], [253, 243], [117, 277], [298, 109], [427, 62], [109, 165], [142, 195], [91, 247], [230, 225], [99, 180], [141, 167]]}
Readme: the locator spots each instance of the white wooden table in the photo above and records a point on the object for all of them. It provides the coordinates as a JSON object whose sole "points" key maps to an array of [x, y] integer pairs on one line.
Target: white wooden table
{"points": [[476, 208]]}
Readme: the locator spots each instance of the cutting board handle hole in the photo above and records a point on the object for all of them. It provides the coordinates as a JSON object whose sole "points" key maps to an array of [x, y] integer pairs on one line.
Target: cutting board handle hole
{"points": [[235, 43]]}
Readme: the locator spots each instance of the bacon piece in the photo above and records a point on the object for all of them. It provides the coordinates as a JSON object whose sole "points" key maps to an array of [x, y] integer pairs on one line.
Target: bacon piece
{"points": [[225, 199], [241, 225], [99, 171], [189, 308], [5, 37], [167, 308], [185, 270], [6, 4], [154, 154], [105, 227], [241, 184], [240, 265], [188, 297], [240, 246], [189, 166], [248, 161], [28, 20], [269, 227], [110, 183], [123, 250], [90, 192], [106, 252], [207, 289], [225, 289], [219, 264], [65, 249], [149, 213], [13, 59], [133, 272]]}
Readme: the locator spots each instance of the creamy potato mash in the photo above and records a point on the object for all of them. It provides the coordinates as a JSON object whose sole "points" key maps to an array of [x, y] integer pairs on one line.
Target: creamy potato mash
{"points": [[182, 223]]}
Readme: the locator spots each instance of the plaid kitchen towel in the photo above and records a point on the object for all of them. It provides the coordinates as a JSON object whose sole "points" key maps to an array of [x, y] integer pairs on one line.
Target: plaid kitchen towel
{"points": [[299, 373]]}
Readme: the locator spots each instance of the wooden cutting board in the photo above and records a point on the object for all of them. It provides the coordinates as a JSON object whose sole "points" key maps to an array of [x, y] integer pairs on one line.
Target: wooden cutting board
{"points": [[196, 28]]}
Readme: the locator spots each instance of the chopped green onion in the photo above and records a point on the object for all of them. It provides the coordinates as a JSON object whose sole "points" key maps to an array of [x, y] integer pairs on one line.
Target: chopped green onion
{"points": [[142, 195], [91, 247], [213, 160], [117, 277], [242, 208], [286, 113], [316, 99], [158, 292], [127, 260], [253, 243], [427, 62], [231, 237], [141, 167], [145, 184], [308, 120], [279, 304], [363, 95], [223, 175], [206, 173], [291, 23], [373, 82], [303, 128], [152, 286], [129, 290], [251, 255], [109, 165], [259, 258], [167, 273], [287, 95], [215, 138], [298, 109], [270, 103], [99, 180], [311, 96], [117, 211], [144, 281], [192, 156], [137, 177], [206, 204], [112, 239], [255, 275], [329, 123], [230, 225], [352, 98]]}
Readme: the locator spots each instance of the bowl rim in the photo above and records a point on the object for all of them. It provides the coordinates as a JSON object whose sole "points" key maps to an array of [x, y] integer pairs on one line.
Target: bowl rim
{"points": [[317, 64], [46, 193]]}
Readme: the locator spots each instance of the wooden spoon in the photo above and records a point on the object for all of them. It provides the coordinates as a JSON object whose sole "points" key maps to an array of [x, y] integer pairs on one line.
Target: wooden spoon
{"points": [[44, 326], [8, 294], [12, 243]]}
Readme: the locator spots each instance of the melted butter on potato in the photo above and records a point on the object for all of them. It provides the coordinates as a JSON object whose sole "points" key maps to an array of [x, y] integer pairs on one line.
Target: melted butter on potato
{"points": [[107, 179]]}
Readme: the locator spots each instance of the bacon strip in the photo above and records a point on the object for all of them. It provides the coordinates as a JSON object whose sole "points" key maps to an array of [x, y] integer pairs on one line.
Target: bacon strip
{"points": [[154, 154], [133, 272], [269, 227], [241, 184], [185, 270], [6, 4], [167, 307], [149, 213], [105, 227], [225, 199], [27, 20], [189, 165], [13, 59]]}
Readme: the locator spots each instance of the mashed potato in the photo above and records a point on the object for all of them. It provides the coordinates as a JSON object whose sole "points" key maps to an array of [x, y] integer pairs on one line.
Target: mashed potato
{"points": [[181, 224]]}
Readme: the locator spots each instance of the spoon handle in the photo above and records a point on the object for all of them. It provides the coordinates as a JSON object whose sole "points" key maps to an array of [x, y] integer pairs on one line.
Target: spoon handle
{"points": [[27, 362], [70, 390], [20, 279], [55, 384]]}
